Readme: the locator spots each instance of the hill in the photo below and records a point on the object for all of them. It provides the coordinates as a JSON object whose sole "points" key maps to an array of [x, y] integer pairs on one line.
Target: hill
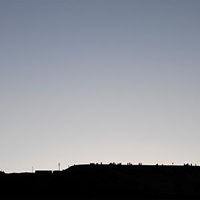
{"points": [[105, 182]]}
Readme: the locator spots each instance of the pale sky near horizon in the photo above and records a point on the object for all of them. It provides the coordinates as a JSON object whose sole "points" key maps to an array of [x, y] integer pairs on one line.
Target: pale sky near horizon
{"points": [[99, 81]]}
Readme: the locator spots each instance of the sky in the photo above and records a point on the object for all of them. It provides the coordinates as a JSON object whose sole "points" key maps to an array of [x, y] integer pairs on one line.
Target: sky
{"points": [[99, 81]]}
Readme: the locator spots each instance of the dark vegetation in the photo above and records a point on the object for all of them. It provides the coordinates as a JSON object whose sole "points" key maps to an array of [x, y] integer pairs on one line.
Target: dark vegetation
{"points": [[104, 182]]}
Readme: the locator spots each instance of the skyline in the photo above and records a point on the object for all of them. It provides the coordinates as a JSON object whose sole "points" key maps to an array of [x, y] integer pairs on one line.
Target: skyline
{"points": [[99, 81]]}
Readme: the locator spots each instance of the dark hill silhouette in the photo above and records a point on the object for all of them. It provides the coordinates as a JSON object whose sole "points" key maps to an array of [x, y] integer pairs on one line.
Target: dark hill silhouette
{"points": [[105, 182]]}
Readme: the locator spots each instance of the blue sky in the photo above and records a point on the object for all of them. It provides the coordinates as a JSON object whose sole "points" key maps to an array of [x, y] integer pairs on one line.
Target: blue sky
{"points": [[98, 81]]}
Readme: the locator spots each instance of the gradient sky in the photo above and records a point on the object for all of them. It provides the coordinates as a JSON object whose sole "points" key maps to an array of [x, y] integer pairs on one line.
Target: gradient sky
{"points": [[99, 81]]}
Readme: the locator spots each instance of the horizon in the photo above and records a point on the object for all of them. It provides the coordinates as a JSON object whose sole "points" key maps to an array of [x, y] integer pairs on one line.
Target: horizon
{"points": [[59, 168], [103, 164], [96, 81]]}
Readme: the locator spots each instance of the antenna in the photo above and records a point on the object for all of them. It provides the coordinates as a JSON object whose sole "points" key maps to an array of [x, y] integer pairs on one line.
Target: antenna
{"points": [[59, 166]]}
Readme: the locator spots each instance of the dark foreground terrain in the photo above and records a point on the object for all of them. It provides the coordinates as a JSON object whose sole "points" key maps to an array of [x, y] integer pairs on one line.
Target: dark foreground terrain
{"points": [[104, 182]]}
